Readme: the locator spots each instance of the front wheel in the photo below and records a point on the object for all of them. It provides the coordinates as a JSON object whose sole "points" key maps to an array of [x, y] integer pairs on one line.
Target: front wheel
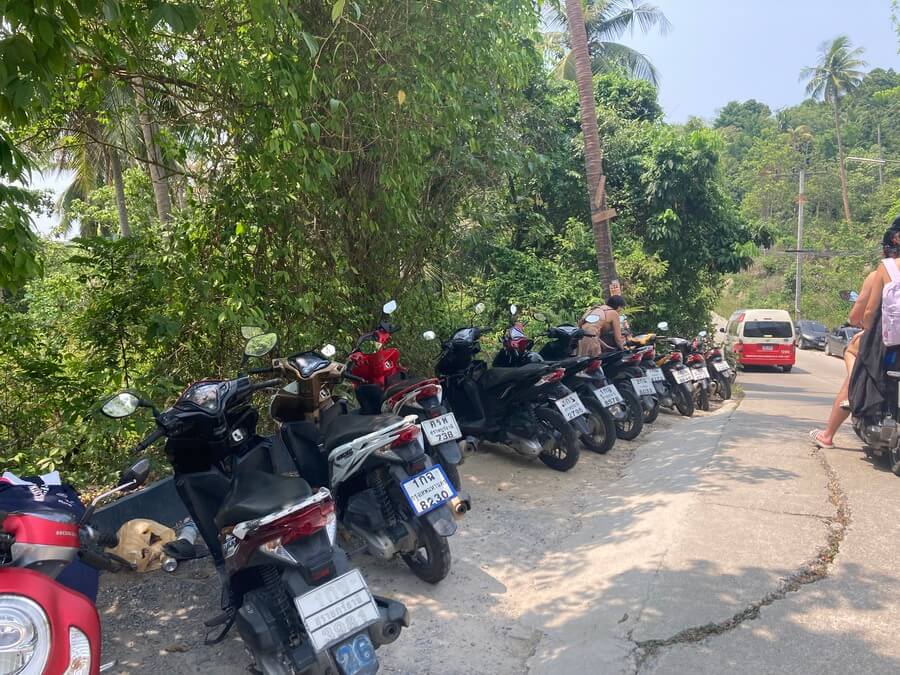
{"points": [[703, 398], [724, 387], [684, 399], [431, 561], [651, 415], [603, 434], [560, 446], [631, 427]]}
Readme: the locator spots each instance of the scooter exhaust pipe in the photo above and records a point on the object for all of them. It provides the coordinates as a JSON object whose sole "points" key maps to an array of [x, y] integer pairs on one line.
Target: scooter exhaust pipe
{"points": [[460, 505]]}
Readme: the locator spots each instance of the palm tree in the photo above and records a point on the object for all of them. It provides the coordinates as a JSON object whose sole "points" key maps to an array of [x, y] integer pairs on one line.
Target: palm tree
{"points": [[605, 22], [593, 152], [837, 73]]}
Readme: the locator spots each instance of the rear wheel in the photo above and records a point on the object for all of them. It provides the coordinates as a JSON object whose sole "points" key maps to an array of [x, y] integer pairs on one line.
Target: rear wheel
{"points": [[895, 461], [651, 415], [631, 427], [703, 398], [603, 435], [724, 387], [431, 562], [827, 349], [684, 399], [560, 446], [786, 369]]}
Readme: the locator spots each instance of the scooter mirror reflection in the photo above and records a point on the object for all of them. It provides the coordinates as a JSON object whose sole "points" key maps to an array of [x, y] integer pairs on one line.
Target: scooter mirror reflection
{"points": [[261, 345], [540, 316], [137, 473], [248, 332], [479, 308], [513, 310], [849, 296], [663, 326], [591, 318], [702, 333], [121, 405], [389, 307], [328, 351], [429, 335]]}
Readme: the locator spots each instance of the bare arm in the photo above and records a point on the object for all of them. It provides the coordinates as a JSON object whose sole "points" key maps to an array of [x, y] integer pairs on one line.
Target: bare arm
{"points": [[617, 331], [872, 302], [859, 307]]}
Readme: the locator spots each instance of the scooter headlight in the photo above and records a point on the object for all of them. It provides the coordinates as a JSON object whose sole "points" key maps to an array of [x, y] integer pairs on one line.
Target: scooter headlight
{"points": [[24, 636]]}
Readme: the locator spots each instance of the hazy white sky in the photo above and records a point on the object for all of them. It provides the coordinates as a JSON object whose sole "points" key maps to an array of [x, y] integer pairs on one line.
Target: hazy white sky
{"points": [[723, 50]]}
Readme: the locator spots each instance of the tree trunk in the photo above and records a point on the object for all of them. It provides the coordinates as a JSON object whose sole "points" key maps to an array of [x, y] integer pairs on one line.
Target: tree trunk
{"points": [[593, 153], [115, 167], [843, 171], [154, 156]]}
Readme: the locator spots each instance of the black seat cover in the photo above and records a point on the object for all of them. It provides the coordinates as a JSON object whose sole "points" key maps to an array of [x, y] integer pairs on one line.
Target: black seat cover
{"points": [[402, 385], [498, 377], [255, 494], [344, 428]]}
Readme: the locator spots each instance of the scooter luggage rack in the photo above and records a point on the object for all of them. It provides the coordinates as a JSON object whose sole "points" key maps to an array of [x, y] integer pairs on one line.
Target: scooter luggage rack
{"points": [[384, 436], [241, 530]]}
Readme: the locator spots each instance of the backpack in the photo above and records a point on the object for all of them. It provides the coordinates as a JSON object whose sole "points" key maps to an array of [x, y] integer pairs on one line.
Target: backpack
{"points": [[890, 306]]}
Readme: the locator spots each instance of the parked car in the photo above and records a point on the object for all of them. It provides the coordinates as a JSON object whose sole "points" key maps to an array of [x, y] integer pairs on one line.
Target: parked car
{"points": [[761, 337], [811, 334], [837, 340]]}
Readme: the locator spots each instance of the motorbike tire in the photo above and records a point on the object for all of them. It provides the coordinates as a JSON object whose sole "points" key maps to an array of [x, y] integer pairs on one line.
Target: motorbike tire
{"points": [[435, 564], [604, 436], [631, 427], [566, 442], [651, 415], [452, 471], [786, 369], [703, 398], [684, 399], [724, 387]]}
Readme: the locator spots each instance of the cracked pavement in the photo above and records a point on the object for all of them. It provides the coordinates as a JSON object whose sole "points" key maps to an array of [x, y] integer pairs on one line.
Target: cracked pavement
{"points": [[723, 542]]}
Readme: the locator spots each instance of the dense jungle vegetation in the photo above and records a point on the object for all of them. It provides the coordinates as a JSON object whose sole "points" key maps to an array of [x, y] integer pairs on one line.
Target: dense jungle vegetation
{"points": [[295, 164]]}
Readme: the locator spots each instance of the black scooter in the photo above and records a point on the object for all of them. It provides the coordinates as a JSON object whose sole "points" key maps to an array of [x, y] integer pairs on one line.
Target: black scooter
{"points": [[271, 537]]}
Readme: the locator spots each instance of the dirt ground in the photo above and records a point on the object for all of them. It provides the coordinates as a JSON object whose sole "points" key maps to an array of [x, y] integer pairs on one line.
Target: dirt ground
{"points": [[521, 510]]}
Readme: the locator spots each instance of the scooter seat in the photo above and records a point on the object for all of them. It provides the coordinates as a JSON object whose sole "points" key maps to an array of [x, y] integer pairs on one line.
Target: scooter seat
{"points": [[402, 385], [255, 494], [499, 377], [342, 429]]}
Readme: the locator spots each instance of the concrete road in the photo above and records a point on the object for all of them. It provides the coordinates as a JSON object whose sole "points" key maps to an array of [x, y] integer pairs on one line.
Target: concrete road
{"points": [[719, 543]]}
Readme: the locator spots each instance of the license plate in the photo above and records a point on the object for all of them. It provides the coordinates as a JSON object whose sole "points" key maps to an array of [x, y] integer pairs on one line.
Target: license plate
{"points": [[700, 374], [428, 490], [609, 396], [682, 375], [441, 429], [643, 386], [336, 610], [571, 407], [656, 375], [356, 656], [768, 348], [721, 366]]}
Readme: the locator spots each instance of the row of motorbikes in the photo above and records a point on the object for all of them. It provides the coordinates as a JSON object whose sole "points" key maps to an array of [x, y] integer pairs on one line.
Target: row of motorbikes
{"points": [[282, 514]]}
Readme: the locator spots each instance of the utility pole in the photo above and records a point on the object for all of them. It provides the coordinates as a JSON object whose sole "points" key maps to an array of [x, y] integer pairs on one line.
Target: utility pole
{"points": [[801, 202], [880, 157]]}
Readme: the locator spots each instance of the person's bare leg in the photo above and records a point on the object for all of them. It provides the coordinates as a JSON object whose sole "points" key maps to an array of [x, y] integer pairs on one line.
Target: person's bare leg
{"points": [[838, 415]]}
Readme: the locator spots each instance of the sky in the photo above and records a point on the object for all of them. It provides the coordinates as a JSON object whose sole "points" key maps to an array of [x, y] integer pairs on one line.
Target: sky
{"points": [[724, 50]]}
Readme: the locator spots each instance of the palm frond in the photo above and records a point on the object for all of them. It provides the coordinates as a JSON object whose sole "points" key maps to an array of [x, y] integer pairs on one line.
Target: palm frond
{"points": [[614, 18], [616, 57]]}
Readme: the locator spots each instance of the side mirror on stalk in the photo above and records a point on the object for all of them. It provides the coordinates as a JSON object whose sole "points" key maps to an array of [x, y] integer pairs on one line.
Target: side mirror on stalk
{"points": [[479, 308], [513, 310], [135, 475], [540, 316], [248, 332], [663, 326], [591, 318], [121, 405], [260, 345], [429, 335], [702, 333], [329, 351], [389, 307]]}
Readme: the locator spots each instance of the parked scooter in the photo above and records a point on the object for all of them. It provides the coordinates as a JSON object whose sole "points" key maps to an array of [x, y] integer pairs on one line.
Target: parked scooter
{"points": [[720, 372], [506, 405], [694, 360], [272, 538], [47, 627], [679, 377], [385, 386], [389, 492], [517, 351], [623, 368]]}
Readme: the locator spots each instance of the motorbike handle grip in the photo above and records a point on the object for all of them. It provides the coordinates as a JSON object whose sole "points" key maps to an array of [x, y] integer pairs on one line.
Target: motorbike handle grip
{"points": [[266, 384], [154, 436], [261, 370], [98, 561], [354, 378], [106, 539]]}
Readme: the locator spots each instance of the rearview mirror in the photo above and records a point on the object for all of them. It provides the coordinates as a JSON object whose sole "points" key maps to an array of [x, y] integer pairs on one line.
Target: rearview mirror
{"points": [[389, 307], [429, 335], [663, 326], [261, 345], [702, 333], [121, 405], [479, 308], [513, 310], [328, 351], [721, 330], [540, 316], [248, 332], [591, 318], [136, 473]]}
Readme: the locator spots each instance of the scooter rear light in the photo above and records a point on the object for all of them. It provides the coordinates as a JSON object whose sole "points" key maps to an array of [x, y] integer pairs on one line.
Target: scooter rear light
{"points": [[694, 358], [306, 522], [675, 357], [650, 354], [406, 435], [552, 376], [593, 367], [634, 358], [428, 391]]}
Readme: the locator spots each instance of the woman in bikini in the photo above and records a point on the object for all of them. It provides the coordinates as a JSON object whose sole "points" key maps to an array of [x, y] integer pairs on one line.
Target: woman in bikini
{"points": [[606, 334]]}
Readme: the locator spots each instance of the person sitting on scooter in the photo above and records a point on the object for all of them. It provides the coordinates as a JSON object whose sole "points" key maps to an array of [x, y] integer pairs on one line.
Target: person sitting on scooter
{"points": [[606, 334]]}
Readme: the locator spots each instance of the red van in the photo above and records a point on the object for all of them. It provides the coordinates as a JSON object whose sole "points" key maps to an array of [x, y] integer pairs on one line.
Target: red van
{"points": [[762, 337]]}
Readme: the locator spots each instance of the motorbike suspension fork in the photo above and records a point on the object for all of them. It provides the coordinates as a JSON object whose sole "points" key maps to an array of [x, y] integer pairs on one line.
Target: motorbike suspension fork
{"points": [[388, 510], [281, 604]]}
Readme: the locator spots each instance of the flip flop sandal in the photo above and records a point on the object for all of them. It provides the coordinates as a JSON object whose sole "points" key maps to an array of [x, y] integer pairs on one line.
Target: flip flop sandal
{"points": [[819, 443]]}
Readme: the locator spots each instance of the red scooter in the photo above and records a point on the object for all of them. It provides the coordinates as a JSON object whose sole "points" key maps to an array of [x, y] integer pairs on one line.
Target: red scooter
{"points": [[382, 385], [46, 627]]}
